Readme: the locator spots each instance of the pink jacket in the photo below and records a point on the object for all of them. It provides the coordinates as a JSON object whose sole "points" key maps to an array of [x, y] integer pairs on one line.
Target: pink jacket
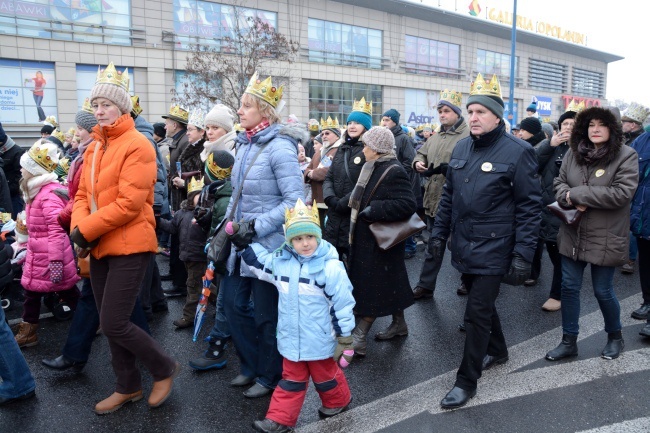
{"points": [[47, 242]]}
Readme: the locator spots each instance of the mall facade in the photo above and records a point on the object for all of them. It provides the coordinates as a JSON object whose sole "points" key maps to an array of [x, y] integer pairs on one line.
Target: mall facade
{"points": [[396, 53]]}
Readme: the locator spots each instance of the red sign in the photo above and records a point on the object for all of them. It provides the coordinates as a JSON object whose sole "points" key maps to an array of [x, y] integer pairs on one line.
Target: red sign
{"points": [[589, 102]]}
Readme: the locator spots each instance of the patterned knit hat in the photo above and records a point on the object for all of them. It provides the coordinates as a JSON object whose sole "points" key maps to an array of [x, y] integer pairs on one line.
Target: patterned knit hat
{"points": [[85, 120], [302, 220], [379, 139], [221, 116], [113, 85], [41, 158], [219, 164]]}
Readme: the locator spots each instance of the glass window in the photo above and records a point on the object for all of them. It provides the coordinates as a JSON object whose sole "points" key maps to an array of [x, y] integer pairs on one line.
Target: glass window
{"points": [[489, 62], [429, 57], [342, 44], [547, 76], [335, 99], [27, 91], [186, 83], [68, 19], [86, 77], [588, 83]]}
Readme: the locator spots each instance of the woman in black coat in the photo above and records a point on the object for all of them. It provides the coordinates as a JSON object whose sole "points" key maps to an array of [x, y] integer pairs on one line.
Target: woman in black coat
{"points": [[381, 284]]}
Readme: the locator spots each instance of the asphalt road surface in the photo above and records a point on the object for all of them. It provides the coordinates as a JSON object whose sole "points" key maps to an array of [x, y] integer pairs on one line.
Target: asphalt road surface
{"points": [[396, 388]]}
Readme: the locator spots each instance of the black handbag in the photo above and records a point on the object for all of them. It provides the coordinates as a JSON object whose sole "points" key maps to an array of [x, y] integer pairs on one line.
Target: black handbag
{"points": [[568, 215], [220, 246]]}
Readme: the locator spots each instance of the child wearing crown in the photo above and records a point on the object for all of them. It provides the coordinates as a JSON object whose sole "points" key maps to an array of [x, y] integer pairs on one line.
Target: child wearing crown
{"points": [[192, 243], [315, 318], [49, 263]]}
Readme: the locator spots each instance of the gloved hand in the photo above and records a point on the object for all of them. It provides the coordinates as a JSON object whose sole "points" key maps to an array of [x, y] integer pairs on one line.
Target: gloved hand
{"points": [[81, 241], [519, 271], [157, 209], [214, 186], [332, 202], [344, 351], [244, 235], [203, 217], [437, 249], [56, 271], [441, 169], [365, 213]]}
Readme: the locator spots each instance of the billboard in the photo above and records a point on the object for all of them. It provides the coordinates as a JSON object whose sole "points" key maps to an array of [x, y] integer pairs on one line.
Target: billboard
{"points": [[27, 91]]}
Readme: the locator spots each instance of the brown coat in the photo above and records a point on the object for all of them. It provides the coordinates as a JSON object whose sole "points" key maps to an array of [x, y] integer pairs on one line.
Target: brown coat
{"points": [[318, 173]]}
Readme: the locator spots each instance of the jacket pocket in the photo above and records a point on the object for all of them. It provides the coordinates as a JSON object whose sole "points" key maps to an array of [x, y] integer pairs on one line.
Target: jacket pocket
{"points": [[457, 164], [491, 245]]}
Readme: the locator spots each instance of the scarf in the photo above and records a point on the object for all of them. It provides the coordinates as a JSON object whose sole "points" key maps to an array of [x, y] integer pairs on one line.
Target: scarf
{"points": [[360, 188], [8, 145], [330, 146], [32, 186], [259, 128], [219, 144], [79, 160], [590, 153]]}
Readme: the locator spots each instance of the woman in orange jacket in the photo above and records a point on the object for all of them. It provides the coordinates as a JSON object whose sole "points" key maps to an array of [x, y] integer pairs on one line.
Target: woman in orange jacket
{"points": [[113, 218]]}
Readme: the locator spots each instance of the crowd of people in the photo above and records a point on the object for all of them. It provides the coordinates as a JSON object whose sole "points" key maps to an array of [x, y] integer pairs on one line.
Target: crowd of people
{"points": [[302, 277]]}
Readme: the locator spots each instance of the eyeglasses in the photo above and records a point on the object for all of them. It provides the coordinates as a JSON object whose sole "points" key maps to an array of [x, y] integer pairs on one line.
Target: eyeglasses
{"points": [[192, 129]]}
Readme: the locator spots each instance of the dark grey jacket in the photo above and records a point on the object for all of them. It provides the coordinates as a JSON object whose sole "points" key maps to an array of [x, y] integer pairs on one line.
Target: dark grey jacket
{"points": [[549, 160]]}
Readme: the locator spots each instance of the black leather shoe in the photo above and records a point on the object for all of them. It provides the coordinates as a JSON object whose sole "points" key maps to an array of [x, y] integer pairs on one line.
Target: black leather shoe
{"points": [[461, 327], [462, 290], [645, 331], [175, 291], [457, 397], [489, 361], [166, 277], [63, 363], [5, 400], [159, 307], [269, 426], [641, 313], [242, 380], [421, 293], [257, 391]]}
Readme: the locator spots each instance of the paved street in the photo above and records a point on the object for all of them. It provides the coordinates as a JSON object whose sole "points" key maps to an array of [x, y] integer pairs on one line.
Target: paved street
{"points": [[397, 388]]}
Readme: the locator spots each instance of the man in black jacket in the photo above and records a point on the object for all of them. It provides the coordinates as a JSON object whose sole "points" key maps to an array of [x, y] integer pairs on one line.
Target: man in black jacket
{"points": [[11, 153], [491, 206]]}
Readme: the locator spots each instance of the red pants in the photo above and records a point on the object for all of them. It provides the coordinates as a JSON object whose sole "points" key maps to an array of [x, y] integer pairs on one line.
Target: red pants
{"points": [[289, 395]]}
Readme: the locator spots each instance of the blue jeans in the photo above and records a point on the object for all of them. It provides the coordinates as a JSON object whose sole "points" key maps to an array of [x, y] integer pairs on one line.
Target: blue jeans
{"points": [[17, 380], [85, 322], [634, 249], [410, 246], [221, 329], [253, 329], [601, 278]]}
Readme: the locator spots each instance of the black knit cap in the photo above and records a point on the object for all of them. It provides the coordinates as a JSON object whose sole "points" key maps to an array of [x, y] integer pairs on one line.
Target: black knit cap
{"points": [[47, 129], [159, 129], [3, 136], [566, 115], [532, 125]]}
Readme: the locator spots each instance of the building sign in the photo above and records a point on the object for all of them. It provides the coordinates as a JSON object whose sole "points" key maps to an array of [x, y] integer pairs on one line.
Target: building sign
{"points": [[544, 104], [420, 107], [27, 91], [589, 102]]}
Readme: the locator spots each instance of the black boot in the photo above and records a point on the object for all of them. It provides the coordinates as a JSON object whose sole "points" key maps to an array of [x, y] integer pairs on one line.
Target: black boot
{"points": [[62, 363], [360, 337], [614, 346], [567, 347], [645, 331], [214, 357], [397, 328]]}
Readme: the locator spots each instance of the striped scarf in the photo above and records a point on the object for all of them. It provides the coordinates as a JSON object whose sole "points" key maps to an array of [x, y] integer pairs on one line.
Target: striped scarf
{"points": [[259, 128]]}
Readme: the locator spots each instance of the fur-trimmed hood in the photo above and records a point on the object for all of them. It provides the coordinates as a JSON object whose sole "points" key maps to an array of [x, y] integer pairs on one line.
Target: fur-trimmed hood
{"points": [[580, 133], [297, 131]]}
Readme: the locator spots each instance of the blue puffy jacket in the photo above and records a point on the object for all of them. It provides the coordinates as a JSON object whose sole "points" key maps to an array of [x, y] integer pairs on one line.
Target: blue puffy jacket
{"points": [[315, 303], [273, 184], [640, 212]]}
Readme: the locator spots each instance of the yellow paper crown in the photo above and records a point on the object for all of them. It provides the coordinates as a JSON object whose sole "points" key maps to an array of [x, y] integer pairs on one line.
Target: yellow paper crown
{"points": [[482, 87], [452, 96], [576, 108], [110, 75], [329, 123], [64, 164], [87, 107], [135, 101], [301, 214], [40, 156], [179, 112], [216, 171], [313, 124], [264, 90], [5, 217], [197, 118], [21, 224], [237, 127], [51, 120], [195, 185], [58, 135], [363, 106]]}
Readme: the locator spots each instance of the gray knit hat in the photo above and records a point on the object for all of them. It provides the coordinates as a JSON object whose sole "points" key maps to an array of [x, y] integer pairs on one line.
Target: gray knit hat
{"points": [[116, 94], [85, 120], [379, 139], [220, 116], [492, 103]]}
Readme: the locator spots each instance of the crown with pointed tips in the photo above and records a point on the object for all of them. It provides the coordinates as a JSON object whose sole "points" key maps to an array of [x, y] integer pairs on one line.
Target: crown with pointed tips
{"points": [[301, 214], [110, 75], [636, 113], [135, 101], [195, 185], [264, 90], [217, 172], [61, 170], [197, 118], [363, 106], [178, 113], [576, 108], [51, 120], [452, 96], [5, 217], [482, 87], [21, 223], [329, 123], [40, 156], [71, 131], [313, 124], [58, 135], [87, 107]]}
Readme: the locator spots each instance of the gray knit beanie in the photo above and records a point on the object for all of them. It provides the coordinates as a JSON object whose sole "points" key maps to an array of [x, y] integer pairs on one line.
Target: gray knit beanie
{"points": [[85, 120], [379, 139], [492, 103], [220, 116], [116, 94]]}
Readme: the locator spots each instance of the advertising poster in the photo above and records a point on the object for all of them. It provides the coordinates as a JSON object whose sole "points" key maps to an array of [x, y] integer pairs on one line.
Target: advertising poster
{"points": [[27, 91], [420, 107], [86, 77]]}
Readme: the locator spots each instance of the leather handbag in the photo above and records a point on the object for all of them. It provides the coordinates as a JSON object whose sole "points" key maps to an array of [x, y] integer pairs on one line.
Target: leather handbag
{"points": [[83, 266], [390, 233], [568, 215]]}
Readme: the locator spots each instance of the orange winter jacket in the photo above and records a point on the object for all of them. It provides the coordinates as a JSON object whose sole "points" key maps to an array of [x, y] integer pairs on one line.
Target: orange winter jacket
{"points": [[125, 174]]}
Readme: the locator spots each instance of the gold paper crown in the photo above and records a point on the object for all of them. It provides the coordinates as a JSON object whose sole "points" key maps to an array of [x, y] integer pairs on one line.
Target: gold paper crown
{"points": [[313, 124], [40, 156], [452, 96], [72, 131], [87, 107], [51, 120], [237, 127], [135, 101], [363, 106], [63, 167], [216, 171], [301, 213], [5, 217], [329, 124], [264, 90], [576, 108], [197, 118], [21, 224], [179, 112], [195, 185], [58, 135], [482, 87], [110, 75]]}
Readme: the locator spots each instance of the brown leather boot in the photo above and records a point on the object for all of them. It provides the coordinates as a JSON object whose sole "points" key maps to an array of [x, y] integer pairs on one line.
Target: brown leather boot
{"points": [[116, 401], [397, 328], [26, 336], [360, 337], [163, 388]]}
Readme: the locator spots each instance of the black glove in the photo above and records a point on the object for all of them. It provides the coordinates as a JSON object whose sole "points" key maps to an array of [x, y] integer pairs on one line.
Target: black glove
{"points": [[203, 217], [157, 209], [519, 271], [365, 214], [244, 236], [332, 202], [342, 206], [79, 240], [214, 186], [441, 169]]}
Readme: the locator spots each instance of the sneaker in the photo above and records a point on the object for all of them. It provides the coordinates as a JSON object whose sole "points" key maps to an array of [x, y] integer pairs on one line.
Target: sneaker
{"points": [[551, 305], [628, 268], [214, 357]]}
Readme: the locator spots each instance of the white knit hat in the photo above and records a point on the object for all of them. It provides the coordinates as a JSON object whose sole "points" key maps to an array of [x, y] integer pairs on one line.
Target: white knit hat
{"points": [[221, 116], [41, 158], [116, 94]]}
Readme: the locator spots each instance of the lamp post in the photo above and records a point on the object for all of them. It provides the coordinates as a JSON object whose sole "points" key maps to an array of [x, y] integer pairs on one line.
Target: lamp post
{"points": [[513, 44]]}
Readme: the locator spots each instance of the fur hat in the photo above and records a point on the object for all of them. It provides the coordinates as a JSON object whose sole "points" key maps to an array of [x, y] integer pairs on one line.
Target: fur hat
{"points": [[221, 116], [85, 120], [532, 125], [580, 132], [636, 113], [114, 93], [393, 114], [379, 139], [41, 158]]}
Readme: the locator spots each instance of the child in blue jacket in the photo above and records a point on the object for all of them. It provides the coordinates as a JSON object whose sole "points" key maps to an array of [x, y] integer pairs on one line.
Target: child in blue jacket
{"points": [[315, 318]]}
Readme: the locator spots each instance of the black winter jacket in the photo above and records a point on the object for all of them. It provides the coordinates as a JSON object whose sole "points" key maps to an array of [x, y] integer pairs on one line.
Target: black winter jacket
{"points": [[549, 160], [405, 151], [491, 203], [192, 237], [12, 165]]}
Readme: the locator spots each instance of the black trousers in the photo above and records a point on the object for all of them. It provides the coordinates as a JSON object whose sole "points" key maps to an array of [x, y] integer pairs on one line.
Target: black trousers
{"points": [[176, 266], [429, 272], [483, 335], [556, 260], [644, 267]]}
